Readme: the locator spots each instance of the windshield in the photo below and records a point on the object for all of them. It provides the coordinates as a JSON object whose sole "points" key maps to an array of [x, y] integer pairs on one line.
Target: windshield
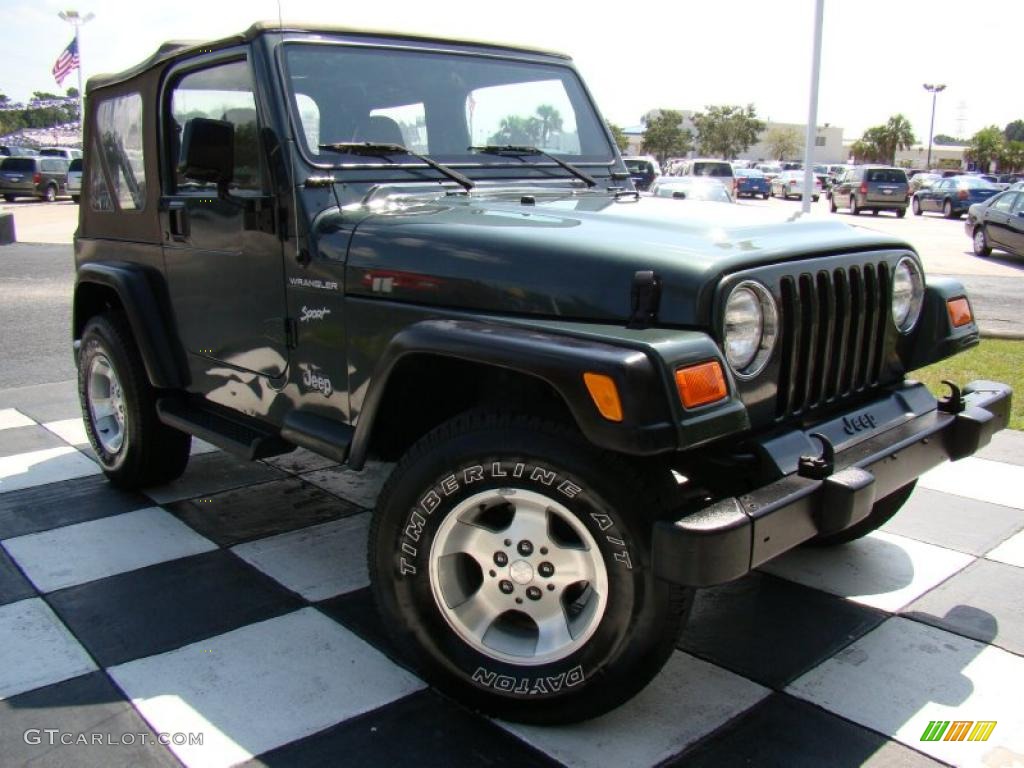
{"points": [[971, 183], [22, 164], [712, 169], [439, 104], [751, 173], [639, 166], [887, 176]]}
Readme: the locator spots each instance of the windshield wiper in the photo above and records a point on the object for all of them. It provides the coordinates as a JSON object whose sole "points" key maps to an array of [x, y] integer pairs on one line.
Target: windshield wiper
{"points": [[521, 151], [375, 149]]}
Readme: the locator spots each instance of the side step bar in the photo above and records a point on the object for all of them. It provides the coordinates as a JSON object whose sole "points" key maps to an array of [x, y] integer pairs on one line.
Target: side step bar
{"points": [[233, 432], [324, 436]]}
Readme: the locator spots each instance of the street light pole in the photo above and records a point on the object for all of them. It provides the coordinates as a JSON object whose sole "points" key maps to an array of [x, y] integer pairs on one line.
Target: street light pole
{"points": [[77, 20], [812, 109], [934, 90]]}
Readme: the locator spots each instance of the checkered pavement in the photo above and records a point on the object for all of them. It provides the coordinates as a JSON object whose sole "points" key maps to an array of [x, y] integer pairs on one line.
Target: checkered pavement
{"points": [[234, 603]]}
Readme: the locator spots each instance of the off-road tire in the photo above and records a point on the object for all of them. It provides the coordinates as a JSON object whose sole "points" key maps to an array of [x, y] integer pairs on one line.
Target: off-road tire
{"points": [[614, 502], [880, 514], [151, 452]]}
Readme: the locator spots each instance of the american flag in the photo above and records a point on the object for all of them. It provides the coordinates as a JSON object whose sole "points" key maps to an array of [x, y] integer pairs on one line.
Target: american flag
{"points": [[66, 62]]}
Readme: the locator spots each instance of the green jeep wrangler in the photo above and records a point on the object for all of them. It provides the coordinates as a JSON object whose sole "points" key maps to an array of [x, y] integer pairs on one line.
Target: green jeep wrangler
{"points": [[429, 251]]}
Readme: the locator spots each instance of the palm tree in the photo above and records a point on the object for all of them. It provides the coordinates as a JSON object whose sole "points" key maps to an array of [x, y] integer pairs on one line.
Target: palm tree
{"points": [[550, 121], [896, 134]]}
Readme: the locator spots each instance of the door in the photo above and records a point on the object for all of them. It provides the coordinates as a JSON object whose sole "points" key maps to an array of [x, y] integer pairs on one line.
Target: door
{"points": [[997, 216], [1015, 226], [223, 260]]}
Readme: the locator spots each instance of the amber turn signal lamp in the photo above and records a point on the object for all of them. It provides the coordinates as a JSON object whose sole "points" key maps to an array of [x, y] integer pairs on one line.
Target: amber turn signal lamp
{"points": [[605, 395], [959, 311], [701, 384]]}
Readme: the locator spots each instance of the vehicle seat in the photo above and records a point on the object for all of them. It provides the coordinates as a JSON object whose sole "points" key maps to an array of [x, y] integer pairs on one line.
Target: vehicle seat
{"points": [[379, 130]]}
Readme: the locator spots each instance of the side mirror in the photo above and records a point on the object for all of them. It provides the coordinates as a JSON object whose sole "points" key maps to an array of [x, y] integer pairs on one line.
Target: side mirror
{"points": [[208, 151]]}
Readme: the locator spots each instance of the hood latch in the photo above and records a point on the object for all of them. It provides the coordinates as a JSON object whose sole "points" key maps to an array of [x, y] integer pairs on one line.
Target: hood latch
{"points": [[645, 296]]}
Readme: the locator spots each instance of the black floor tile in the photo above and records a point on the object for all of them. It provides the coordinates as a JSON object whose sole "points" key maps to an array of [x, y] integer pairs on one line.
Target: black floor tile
{"points": [[58, 504], [211, 473], [169, 605], [785, 732], [27, 439], [84, 705], [424, 729], [357, 611], [257, 511], [771, 630], [13, 585]]}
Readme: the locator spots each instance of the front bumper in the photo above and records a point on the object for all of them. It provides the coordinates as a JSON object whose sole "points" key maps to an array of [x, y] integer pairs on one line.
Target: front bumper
{"points": [[735, 535]]}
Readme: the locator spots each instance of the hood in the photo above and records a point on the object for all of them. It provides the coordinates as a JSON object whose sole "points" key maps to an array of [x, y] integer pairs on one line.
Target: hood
{"points": [[574, 257]]}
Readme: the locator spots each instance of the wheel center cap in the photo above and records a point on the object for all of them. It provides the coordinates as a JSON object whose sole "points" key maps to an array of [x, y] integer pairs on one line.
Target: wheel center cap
{"points": [[521, 572]]}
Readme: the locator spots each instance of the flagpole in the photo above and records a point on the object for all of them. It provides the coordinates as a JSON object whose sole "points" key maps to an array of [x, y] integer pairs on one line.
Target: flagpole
{"points": [[77, 20]]}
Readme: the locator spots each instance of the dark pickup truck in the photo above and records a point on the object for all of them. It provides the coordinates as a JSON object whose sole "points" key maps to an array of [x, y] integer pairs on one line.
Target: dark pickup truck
{"points": [[430, 251]]}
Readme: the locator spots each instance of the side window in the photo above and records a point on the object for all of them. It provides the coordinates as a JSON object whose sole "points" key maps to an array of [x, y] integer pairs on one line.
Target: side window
{"points": [[117, 171], [1018, 207], [1004, 203], [222, 92]]}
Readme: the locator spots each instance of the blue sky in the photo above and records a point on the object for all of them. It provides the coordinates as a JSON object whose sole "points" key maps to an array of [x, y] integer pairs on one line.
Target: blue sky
{"points": [[634, 55]]}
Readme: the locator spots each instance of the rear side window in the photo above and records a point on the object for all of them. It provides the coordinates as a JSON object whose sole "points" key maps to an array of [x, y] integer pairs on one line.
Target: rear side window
{"points": [[76, 165], [117, 178], [712, 169], [887, 176], [51, 165], [18, 165]]}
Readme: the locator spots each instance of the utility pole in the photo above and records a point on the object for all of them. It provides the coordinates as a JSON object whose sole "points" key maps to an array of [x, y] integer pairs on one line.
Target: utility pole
{"points": [[934, 90], [77, 20], [812, 109]]}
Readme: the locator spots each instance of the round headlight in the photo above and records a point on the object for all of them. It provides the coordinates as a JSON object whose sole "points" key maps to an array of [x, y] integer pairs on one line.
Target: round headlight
{"points": [[907, 294], [751, 327]]}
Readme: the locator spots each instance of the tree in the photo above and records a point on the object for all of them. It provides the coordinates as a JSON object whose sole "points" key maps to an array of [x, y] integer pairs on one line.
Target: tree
{"points": [[1014, 131], [45, 96], [621, 139], [1012, 156], [72, 93], [517, 130], [985, 146], [948, 141], [896, 134], [783, 142], [664, 137], [550, 122], [725, 131]]}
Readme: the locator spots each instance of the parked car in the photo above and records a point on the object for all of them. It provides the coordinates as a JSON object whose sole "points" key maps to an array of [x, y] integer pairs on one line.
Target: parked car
{"points": [[42, 177], [752, 182], [997, 223], [821, 172], [643, 171], [923, 181], [68, 153], [715, 169], [691, 188], [770, 170], [791, 184], [75, 179], [953, 196], [14, 150], [871, 188], [542, 356]]}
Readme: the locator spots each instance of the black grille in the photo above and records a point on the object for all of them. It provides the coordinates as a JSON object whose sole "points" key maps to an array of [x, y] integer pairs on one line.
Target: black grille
{"points": [[833, 327]]}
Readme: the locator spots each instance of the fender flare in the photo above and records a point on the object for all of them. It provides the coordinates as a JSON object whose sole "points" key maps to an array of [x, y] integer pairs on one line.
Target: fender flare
{"points": [[140, 291], [559, 360]]}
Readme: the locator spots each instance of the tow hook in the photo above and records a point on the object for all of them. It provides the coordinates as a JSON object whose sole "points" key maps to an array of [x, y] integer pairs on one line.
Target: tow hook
{"points": [[953, 403], [818, 467]]}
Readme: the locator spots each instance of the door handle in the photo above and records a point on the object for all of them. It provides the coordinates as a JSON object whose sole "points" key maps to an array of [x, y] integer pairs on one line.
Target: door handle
{"points": [[177, 219]]}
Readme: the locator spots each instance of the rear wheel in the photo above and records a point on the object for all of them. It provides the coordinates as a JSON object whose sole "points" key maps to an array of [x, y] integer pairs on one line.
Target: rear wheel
{"points": [[947, 209], [832, 204], [880, 514], [981, 246], [901, 212], [9, 198], [764, 196], [75, 199], [854, 210], [511, 560], [134, 448], [50, 194]]}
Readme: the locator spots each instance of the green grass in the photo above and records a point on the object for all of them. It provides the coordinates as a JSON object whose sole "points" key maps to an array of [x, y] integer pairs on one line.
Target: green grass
{"points": [[993, 359]]}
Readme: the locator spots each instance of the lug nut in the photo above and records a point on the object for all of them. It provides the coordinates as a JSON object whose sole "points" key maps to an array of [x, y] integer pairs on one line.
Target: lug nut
{"points": [[551, 587], [525, 548], [546, 569], [543, 550], [500, 559], [533, 593], [508, 542], [519, 601], [506, 586]]}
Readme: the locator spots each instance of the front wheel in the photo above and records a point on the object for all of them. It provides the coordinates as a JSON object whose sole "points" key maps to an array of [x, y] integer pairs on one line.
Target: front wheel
{"points": [[511, 560], [854, 210], [915, 205], [118, 405], [981, 246]]}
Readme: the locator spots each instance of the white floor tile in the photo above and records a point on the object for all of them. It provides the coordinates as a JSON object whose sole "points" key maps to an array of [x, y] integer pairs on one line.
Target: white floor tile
{"points": [[51, 465], [881, 570], [200, 447], [993, 481], [36, 649], [261, 686], [88, 551], [904, 674], [1010, 551], [318, 562], [11, 418], [361, 488], [689, 699], [69, 430]]}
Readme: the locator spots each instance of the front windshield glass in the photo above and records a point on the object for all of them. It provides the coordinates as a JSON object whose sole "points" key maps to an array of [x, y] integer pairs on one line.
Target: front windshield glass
{"points": [[439, 104]]}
